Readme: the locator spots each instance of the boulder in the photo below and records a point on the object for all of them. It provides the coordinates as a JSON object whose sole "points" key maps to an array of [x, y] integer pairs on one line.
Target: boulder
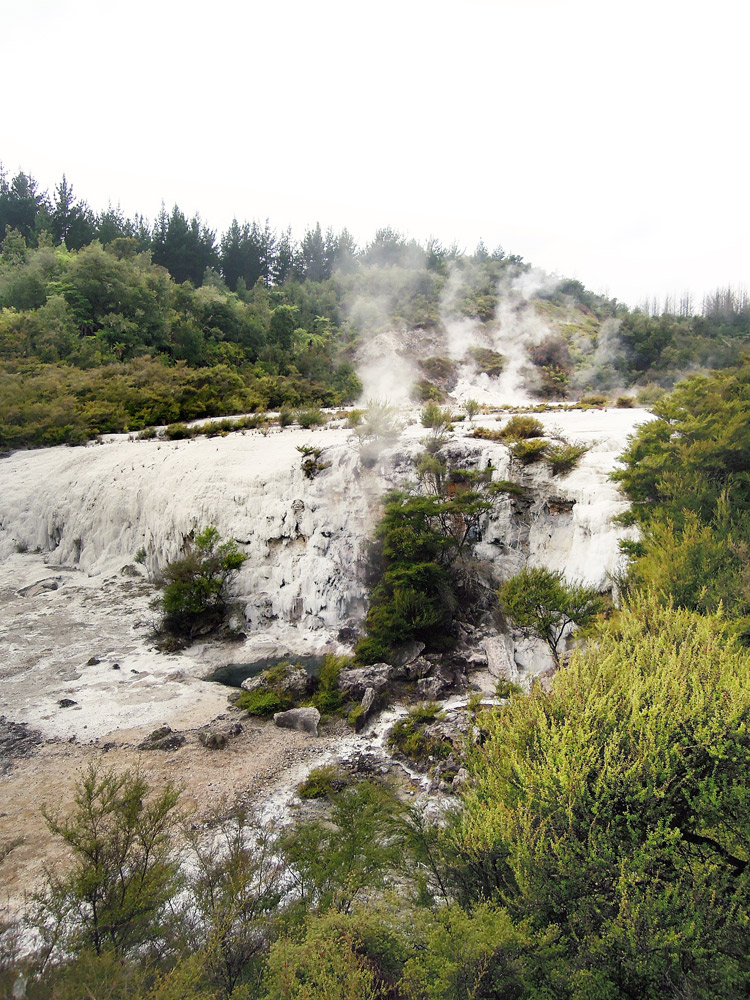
{"points": [[431, 688], [418, 667], [365, 710], [461, 779], [163, 738], [407, 653], [532, 656], [216, 738], [35, 589], [499, 656], [305, 720], [288, 679], [356, 680]]}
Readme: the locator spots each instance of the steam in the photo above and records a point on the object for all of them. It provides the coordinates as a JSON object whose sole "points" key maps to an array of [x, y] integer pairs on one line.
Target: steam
{"points": [[516, 326], [600, 369], [386, 370], [387, 302]]}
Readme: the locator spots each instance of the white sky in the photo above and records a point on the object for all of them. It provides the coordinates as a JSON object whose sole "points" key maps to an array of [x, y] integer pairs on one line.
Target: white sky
{"points": [[600, 139]]}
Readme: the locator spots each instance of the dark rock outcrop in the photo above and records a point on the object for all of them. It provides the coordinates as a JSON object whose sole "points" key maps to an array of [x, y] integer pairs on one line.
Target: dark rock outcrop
{"points": [[355, 681], [163, 738]]}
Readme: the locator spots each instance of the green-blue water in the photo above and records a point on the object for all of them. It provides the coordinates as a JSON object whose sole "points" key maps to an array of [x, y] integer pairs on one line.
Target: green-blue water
{"points": [[233, 674]]}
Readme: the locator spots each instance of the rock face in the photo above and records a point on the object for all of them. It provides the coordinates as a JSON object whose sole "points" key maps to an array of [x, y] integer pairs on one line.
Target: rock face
{"points": [[93, 508], [356, 680], [303, 719], [35, 589]]}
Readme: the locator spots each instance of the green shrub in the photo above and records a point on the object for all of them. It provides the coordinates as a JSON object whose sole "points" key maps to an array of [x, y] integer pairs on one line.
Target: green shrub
{"points": [[263, 702], [472, 408], [196, 588], [311, 463], [624, 402], [311, 418], [487, 361], [425, 391], [116, 896], [487, 434], [521, 427], [328, 696], [177, 432], [438, 369], [286, 417], [619, 804], [528, 452], [543, 604], [506, 689], [596, 399], [564, 458], [323, 781], [408, 735]]}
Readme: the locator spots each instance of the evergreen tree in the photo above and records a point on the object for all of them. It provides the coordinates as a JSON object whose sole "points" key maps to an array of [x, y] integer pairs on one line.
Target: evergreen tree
{"points": [[20, 204]]}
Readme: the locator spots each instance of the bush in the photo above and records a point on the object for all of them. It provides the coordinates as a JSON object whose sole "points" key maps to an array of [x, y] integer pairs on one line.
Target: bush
{"points": [[328, 696], [487, 361], [541, 603], [196, 588], [425, 392], [263, 702], [408, 735], [528, 452], [596, 399], [177, 432], [487, 434], [311, 463], [564, 458], [435, 418], [520, 427], [311, 418], [619, 804], [323, 781], [115, 898], [439, 369]]}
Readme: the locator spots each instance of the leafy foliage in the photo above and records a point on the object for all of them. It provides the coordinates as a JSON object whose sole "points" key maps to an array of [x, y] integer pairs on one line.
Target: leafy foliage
{"points": [[124, 871], [196, 588], [616, 810], [408, 735], [421, 537], [521, 427], [263, 702], [563, 458], [686, 476], [540, 603]]}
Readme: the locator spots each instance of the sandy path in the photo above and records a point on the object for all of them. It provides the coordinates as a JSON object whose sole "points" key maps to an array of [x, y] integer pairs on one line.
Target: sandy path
{"points": [[262, 761]]}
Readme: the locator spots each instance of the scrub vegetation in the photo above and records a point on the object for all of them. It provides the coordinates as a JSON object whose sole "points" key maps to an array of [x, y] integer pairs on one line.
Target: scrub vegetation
{"points": [[110, 323], [599, 843]]}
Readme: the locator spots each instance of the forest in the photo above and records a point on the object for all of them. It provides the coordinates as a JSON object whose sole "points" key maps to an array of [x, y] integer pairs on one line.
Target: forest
{"points": [[600, 846], [109, 324]]}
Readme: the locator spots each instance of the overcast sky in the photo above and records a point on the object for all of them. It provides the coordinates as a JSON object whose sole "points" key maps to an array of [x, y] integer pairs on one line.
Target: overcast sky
{"points": [[599, 139]]}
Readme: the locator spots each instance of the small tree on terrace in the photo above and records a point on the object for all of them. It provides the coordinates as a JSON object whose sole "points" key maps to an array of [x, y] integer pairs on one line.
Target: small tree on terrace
{"points": [[540, 603], [196, 588]]}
